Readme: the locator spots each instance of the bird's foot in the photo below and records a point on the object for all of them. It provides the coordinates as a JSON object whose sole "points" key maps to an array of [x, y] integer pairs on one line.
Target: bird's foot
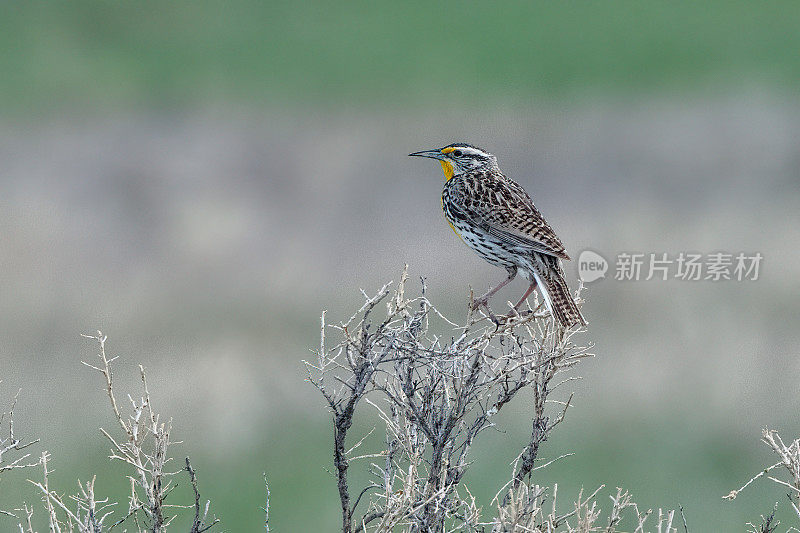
{"points": [[517, 310], [477, 303], [483, 303]]}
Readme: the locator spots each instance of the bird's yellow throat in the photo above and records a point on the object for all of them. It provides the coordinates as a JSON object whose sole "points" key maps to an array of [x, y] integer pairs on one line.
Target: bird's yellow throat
{"points": [[448, 169], [448, 173]]}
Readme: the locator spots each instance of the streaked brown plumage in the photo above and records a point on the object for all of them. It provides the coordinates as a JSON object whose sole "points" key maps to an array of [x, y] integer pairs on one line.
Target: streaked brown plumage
{"points": [[495, 217]]}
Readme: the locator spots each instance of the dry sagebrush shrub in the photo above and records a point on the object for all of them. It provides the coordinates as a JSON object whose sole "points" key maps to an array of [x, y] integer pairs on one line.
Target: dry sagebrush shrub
{"points": [[437, 386]]}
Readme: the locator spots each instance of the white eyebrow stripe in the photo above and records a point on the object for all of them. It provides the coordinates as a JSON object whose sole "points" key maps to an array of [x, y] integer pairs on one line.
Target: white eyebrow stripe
{"points": [[470, 150]]}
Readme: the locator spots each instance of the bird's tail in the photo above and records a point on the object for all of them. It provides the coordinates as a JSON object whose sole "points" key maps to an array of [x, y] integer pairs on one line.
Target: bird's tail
{"points": [[559, 300]]}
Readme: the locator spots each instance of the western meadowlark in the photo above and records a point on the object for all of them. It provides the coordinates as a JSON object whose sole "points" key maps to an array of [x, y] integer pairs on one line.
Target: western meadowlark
{"points": [[495, 217]]}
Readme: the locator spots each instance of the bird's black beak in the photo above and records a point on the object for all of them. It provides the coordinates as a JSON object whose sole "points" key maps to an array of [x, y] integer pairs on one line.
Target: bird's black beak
{"points": [[433, 154]]}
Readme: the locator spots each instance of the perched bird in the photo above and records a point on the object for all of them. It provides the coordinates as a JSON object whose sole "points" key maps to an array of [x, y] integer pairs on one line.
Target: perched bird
{"points": [[495, 217]]}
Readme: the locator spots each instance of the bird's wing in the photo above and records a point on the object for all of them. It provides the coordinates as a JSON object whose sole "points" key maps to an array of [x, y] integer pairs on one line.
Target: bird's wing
{"points": [[503, 209]]}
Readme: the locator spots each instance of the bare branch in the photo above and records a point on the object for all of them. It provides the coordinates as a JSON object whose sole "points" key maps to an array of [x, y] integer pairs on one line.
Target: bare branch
{"points": [[436, 392]]}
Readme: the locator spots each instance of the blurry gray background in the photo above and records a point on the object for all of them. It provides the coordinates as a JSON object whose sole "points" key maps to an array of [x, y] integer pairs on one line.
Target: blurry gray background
{"points": [[200, 183]]}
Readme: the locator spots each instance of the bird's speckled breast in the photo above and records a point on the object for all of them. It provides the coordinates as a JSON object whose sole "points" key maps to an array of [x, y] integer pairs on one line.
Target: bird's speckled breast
{"points": [[488, 247]]}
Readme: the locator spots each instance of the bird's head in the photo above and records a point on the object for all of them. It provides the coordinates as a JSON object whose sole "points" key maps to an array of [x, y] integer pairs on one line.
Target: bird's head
{"points": [[458, 158]]}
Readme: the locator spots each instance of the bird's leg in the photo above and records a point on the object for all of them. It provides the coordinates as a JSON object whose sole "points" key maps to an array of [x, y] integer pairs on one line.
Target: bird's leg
{"points": [[525, 296], [484, 300]]}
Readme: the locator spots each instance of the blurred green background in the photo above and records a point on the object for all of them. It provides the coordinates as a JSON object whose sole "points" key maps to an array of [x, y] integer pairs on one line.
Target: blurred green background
{"points": [[200, 180]]}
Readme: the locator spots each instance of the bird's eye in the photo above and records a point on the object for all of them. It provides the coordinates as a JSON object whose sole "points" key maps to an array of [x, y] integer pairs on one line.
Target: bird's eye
{"points": [[457, 153]]}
